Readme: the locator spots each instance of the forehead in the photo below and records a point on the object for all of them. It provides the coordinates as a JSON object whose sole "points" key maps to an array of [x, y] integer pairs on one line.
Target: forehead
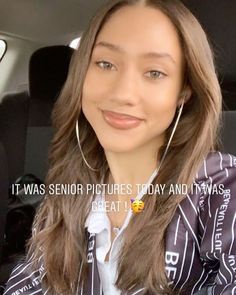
{"points": [[138, 29]]}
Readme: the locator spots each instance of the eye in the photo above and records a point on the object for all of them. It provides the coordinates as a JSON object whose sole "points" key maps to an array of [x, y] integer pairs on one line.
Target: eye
{"points": [[106, 65], [155, 74]]}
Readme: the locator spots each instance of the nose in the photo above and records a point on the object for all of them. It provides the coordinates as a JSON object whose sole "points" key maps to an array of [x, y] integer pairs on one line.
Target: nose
{"points": [[125, 88]]}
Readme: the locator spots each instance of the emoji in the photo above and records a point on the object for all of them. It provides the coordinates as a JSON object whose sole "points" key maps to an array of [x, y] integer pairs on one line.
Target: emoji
{"points": [[137, 205]]}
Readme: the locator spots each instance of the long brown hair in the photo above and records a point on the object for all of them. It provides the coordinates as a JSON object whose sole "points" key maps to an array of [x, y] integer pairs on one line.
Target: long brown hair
{"points": [[59, 226]]}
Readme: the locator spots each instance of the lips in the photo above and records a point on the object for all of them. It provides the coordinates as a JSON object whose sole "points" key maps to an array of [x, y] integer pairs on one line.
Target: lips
{"points": [[121, 116], [121, 121]]}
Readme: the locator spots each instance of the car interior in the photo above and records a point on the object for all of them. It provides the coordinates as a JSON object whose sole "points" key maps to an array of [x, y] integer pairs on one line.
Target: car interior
{"points": [[37, 40]]}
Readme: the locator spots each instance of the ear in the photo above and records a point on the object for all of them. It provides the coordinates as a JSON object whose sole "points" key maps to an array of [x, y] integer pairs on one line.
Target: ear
{"points": [[185, 94]]}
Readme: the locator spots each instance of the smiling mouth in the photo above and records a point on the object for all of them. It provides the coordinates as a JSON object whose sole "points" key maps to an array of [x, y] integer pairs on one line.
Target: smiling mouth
{"points": [[122, 116], [121, 121]]}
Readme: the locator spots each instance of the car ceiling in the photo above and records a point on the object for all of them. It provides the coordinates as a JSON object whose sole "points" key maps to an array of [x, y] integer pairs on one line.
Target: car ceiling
{"points": [[60, 21], [46, 21]]}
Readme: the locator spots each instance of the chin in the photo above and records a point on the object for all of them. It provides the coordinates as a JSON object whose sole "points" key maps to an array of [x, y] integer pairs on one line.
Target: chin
{"points": [[118, 147]]}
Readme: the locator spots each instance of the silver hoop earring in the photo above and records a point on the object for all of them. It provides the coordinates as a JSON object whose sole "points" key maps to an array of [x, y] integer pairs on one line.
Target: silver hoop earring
{"points": [[82, 154], [172, 134]]}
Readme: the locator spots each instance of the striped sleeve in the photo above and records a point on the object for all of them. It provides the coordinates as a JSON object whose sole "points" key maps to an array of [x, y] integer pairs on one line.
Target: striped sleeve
{"points": [[218, 215], [24, 280]]}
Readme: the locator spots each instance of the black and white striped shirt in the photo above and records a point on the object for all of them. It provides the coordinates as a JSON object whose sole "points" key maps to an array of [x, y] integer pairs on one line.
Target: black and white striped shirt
{"points": [[200, 241]]}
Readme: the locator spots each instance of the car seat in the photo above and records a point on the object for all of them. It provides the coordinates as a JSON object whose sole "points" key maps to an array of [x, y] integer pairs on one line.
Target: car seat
{"points": [[25, 126]]}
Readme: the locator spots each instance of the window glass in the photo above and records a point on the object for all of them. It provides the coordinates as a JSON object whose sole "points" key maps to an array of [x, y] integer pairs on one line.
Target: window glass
{"points": [[2, 48], [75, 43]]}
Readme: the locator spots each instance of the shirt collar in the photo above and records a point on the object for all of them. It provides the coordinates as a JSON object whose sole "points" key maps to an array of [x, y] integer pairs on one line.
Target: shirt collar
{"points": [[97, 220]]}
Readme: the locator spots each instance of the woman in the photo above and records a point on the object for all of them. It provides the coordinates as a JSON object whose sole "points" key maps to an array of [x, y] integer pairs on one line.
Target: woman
{"points": [[143, 98]]}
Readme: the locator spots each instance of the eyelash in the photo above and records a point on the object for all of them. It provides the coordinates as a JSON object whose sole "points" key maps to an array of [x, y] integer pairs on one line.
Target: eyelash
{"points": [[98, 63], [160, 74]]}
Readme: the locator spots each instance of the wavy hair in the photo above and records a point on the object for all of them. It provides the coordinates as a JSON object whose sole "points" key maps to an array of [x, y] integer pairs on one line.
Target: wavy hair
{"points": [[59, 225]]}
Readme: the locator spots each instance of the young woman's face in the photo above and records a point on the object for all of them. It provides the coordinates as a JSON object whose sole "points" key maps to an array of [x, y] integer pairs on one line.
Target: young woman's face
{"points": [[136, 69]]}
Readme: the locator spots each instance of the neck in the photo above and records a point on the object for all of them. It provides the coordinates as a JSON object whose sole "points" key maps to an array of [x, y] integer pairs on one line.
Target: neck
{"points": [[131, 168]]}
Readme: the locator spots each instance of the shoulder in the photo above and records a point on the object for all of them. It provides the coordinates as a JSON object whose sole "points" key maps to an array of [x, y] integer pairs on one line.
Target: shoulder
{"points": [[217, 208], [213, 190], [217, 177], [217, 167], [217, 181]]}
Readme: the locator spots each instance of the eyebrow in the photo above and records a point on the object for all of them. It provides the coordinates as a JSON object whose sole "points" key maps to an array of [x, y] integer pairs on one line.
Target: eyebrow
{"points": [[117, 48]]}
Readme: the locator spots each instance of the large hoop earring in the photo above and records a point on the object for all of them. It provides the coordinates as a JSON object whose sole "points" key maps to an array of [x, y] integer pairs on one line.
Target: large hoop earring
{"points": [[180, 109], [82, 154]]}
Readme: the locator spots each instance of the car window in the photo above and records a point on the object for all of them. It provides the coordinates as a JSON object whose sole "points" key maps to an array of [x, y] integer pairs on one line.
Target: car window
{"points": [[3, 47], [75, 43]]}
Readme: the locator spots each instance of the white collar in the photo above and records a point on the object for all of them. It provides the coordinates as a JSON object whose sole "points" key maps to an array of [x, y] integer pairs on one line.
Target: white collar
{"points": [[98, 220]]}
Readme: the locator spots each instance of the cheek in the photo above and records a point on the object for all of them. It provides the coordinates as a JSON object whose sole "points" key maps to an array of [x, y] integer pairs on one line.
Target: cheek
{"points": [[162, 116], [161, 108], [161, 104], [87, 98], [93, 89]]}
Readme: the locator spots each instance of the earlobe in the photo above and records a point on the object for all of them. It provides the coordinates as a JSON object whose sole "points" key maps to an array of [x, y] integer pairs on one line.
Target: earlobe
{"points": [[185, 95]]}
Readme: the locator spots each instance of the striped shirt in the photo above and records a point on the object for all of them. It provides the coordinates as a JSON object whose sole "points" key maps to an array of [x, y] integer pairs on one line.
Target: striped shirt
{"points": [[200, 241]]}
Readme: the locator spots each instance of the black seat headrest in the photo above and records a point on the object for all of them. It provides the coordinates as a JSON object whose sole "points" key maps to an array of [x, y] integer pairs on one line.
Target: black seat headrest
{"points": [[219, 21], [228, 132], [48, 70]]}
